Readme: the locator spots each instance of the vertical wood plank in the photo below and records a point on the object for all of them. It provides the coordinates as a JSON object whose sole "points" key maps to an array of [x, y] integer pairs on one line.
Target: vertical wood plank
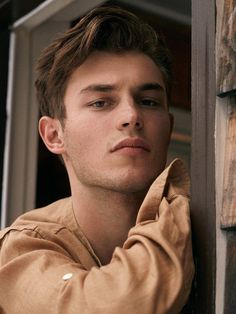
{"points": [[228, 213], [203, 154], [226, 81], [230, 280], [225, 150]]}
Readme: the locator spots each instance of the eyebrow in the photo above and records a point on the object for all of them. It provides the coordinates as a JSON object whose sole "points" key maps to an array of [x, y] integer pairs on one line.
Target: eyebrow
{"points": [[109, 87], [98, 88], [151, 86]]}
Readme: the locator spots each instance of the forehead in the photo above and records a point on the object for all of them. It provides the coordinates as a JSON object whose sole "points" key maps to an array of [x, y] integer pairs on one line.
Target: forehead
{"points": [[130, 69]]}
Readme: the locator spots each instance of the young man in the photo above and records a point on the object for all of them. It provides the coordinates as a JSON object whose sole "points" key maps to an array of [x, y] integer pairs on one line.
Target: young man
{"points": [[117, 244]]}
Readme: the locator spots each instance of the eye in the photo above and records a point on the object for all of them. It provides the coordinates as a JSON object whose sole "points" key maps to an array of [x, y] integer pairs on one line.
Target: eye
{"points": [[150, 103], [103, 103], [99, 104]]}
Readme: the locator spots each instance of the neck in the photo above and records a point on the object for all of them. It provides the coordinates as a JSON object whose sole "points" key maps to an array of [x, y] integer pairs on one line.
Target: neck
{"points": [[105, 217]]}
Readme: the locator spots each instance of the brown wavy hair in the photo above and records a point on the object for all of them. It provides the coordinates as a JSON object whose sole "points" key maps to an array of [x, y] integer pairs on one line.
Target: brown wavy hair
{"points": [[109, 29]]}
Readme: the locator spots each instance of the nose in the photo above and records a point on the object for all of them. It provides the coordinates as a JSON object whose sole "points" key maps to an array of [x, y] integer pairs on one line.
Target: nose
{"points": [[130, 116]]}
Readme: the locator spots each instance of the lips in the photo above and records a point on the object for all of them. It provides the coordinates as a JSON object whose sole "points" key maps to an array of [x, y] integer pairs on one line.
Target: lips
{"points": [[131, 143]]}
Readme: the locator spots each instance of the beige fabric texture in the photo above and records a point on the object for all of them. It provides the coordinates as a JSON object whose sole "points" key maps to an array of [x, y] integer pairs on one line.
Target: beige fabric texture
{"points": [[48, 266]]}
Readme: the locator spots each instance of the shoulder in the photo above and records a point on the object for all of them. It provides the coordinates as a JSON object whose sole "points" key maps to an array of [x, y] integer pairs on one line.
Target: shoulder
{"points": [[46, 220], [52, 228], [53, 212]]}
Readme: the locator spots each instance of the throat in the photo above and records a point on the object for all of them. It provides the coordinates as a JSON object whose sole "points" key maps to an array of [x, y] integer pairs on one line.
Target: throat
{"points": [[104, 245], [106, 233], [106, 225], [105, 217]]}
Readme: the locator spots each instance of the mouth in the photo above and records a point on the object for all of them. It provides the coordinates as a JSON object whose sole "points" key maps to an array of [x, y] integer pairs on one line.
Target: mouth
{"points": [[131, 144]]}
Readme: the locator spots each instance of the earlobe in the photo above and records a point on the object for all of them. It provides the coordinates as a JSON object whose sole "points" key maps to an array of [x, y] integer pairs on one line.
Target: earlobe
{"points": [[51, 133]]}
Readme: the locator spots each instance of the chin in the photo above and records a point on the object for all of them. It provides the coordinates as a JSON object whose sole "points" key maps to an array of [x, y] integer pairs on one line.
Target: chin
{"points": [[136, 183]]}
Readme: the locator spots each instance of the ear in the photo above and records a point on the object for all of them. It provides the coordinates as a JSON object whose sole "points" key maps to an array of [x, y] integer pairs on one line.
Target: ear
{"points": [[51, 132]]}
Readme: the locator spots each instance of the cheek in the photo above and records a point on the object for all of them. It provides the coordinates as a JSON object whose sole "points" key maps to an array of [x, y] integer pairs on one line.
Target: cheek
{"points": [[84, 137]]}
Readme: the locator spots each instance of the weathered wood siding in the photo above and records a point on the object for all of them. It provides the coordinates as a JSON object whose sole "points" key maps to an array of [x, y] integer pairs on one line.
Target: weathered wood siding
{"points": [[226, 82]]}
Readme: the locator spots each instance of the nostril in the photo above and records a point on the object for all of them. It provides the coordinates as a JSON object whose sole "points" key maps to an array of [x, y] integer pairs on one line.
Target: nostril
{"points": [[125, 124], [136, 124]]}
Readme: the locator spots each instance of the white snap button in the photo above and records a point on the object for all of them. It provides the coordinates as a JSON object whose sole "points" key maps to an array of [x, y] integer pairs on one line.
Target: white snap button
{"points": [[67, 276]]}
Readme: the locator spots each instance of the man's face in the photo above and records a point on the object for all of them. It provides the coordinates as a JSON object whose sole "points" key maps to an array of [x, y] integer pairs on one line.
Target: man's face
{"points": [[117, 126]]}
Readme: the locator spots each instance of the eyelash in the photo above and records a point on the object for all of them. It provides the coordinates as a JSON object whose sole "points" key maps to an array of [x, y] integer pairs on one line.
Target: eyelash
{"points": [[151, 103], [101, 104], [104, 103]]}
